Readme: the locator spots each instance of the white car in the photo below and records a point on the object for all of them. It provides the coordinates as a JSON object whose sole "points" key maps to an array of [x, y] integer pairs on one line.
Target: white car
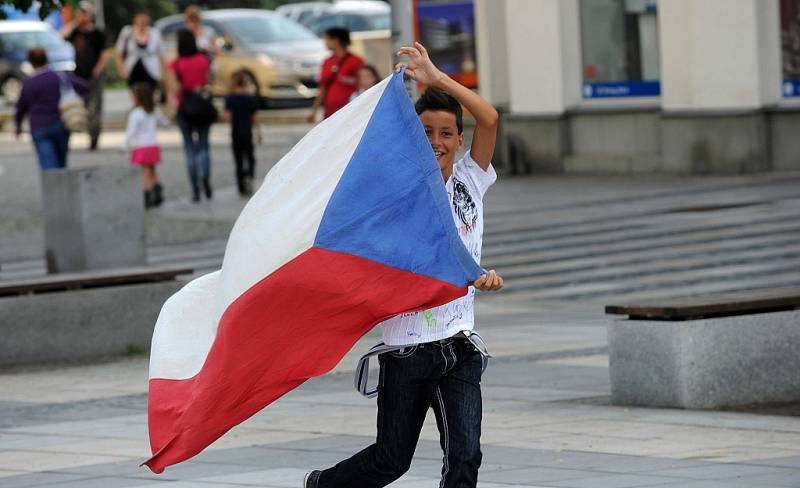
{"points": [[17, 37]]}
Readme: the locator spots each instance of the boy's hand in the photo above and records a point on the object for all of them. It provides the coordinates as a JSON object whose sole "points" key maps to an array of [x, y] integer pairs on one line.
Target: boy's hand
{"points": [[420, 67], [491, 281]]}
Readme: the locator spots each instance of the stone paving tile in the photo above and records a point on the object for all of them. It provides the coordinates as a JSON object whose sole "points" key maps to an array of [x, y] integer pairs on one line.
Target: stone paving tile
{"points": [[787, 480], [41, 479], [787, 462], [617, 481], [723, 471]]}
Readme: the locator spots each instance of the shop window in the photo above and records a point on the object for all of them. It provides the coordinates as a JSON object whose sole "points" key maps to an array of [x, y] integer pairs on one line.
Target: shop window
{"points": [[790, 44], [619, 40]]}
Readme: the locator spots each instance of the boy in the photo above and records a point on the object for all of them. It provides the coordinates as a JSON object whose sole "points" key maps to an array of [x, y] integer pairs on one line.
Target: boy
{"points": [[434, 364], [240, 110]]}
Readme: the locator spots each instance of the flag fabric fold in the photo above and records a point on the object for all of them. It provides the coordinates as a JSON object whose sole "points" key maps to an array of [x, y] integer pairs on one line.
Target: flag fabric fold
{"points": [[350, 228]]}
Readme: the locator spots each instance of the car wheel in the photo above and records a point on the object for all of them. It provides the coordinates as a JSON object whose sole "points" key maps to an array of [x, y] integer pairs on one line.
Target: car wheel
{"points": [[10, 89]]}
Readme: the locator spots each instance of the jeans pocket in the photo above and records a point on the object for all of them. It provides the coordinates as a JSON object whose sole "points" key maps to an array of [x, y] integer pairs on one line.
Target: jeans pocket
{"points": [[404, 352]]}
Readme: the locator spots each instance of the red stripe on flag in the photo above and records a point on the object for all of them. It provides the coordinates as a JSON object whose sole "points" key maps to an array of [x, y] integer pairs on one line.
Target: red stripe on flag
{"points": [[294, 324]]}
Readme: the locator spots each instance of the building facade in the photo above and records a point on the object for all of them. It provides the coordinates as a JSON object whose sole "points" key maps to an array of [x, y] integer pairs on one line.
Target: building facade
{"points": [[627, 86]]}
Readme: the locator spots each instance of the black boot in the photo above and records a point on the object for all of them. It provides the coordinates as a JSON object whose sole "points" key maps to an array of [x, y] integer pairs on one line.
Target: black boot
{"points": [[158, 195], [148, 198], [207, 188]]}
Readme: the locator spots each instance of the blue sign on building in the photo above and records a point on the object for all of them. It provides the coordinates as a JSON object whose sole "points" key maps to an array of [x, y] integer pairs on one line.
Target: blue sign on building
{"points": [[791, 88], [622, 89]]}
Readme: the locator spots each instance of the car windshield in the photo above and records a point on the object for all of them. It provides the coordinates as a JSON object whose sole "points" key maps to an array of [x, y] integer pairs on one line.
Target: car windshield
{"points": [[381, 21], [353, 22], [22, 42], [265, 30]]}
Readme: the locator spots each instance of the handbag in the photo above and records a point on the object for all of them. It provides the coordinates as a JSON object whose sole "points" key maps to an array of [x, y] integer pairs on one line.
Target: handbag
{"points": [[71, 107], [196, 106]]}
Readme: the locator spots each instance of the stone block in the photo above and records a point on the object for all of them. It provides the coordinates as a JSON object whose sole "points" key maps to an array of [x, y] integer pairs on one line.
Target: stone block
{"points": [[784, 143], [80, 325], [715, 143], [601, 132], [531, 144], [705, 364], [94, 219]]}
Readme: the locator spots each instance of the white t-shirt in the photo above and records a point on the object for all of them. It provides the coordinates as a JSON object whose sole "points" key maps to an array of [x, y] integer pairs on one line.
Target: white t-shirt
{"points": [[142, 128], [465, 189]]}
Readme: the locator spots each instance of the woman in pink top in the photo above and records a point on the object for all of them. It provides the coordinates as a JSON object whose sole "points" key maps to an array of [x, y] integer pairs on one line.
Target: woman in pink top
{"points": [[190, 73]]}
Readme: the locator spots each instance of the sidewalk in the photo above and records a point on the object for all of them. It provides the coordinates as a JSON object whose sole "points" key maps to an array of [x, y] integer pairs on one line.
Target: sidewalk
{"points": [[547, 423]]}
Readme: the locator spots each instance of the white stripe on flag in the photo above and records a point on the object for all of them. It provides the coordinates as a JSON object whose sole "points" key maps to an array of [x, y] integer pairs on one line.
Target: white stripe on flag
{"points": [[279, 223]]}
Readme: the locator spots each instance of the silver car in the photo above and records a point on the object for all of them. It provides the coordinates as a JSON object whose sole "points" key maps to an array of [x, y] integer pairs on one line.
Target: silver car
{"points": [[17, 37]]}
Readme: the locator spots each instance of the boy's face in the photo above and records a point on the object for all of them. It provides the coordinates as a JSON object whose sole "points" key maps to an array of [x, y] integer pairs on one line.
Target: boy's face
{"points": [[442, 131]]}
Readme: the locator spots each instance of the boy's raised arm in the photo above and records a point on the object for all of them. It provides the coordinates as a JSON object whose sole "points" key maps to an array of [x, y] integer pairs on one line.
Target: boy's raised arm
{"points": [[420, 68]]}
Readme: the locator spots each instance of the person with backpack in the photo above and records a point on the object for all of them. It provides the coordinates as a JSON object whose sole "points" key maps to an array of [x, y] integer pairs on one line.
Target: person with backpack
{"points": [[40, 100], [339, 76], [195, 112]]}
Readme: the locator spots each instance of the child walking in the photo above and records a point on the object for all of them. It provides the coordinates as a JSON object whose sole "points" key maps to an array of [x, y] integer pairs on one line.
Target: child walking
{"points": [[433, 359], [240, 110], [142, 141]]}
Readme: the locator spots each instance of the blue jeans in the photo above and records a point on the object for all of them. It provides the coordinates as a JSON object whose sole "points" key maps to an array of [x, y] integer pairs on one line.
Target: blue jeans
{"points": [[444, 376], [52, 145], [198, 158]]}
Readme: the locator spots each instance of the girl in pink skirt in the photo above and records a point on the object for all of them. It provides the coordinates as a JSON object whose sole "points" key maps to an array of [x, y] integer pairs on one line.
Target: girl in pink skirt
{"points": [[141, 139]]}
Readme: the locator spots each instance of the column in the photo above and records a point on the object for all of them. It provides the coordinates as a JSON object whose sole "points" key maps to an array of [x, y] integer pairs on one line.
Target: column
{"points": [[720, 67]]}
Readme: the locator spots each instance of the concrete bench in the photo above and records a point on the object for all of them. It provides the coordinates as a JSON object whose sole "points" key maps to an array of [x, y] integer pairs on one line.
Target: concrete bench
{"points": [[82, 316], [713, 351]]}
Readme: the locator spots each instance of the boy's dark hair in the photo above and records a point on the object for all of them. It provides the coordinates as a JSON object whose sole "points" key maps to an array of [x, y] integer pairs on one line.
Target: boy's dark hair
{"points": [[187, 46], [239, 79], [341, 34], [434, 99], [37, 57], [144, 96], [372, 70]]}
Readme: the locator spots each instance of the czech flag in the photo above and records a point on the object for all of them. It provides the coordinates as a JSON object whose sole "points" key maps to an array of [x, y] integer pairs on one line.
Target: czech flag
{"points": [[353, 226]]}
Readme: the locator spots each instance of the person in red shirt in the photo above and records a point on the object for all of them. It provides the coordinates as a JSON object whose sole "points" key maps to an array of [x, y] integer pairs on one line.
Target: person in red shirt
{"points": [[339, 77]]}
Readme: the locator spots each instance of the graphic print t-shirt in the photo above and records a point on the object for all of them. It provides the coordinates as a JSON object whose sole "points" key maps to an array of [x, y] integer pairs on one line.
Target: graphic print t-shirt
{"points": [[465, 189]]}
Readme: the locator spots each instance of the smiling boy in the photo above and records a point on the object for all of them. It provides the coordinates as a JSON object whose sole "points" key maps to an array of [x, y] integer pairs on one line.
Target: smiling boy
{"points": [[432, 358]]}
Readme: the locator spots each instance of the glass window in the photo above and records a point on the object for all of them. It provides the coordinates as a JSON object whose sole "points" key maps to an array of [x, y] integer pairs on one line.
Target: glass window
{"points": [[619, 39], [447, 29], [266, 30], [790, 44]]}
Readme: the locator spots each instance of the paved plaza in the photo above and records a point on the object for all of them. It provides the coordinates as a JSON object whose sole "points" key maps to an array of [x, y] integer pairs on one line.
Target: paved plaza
{"points": [[566, 245]]}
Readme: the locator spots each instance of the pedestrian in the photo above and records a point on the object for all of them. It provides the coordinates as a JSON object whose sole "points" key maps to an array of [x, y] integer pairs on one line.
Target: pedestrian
{"points": [[434, 359], [39, 99], [189, 74], [138, 53], [141, 138], [339, 76], [367, 78], [204, 37], [240, 109], [91, 57]]}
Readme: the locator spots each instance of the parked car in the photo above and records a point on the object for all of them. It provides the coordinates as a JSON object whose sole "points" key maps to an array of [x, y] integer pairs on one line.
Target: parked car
{"points": [[16, 39], [280, 57], [355, 15]]}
